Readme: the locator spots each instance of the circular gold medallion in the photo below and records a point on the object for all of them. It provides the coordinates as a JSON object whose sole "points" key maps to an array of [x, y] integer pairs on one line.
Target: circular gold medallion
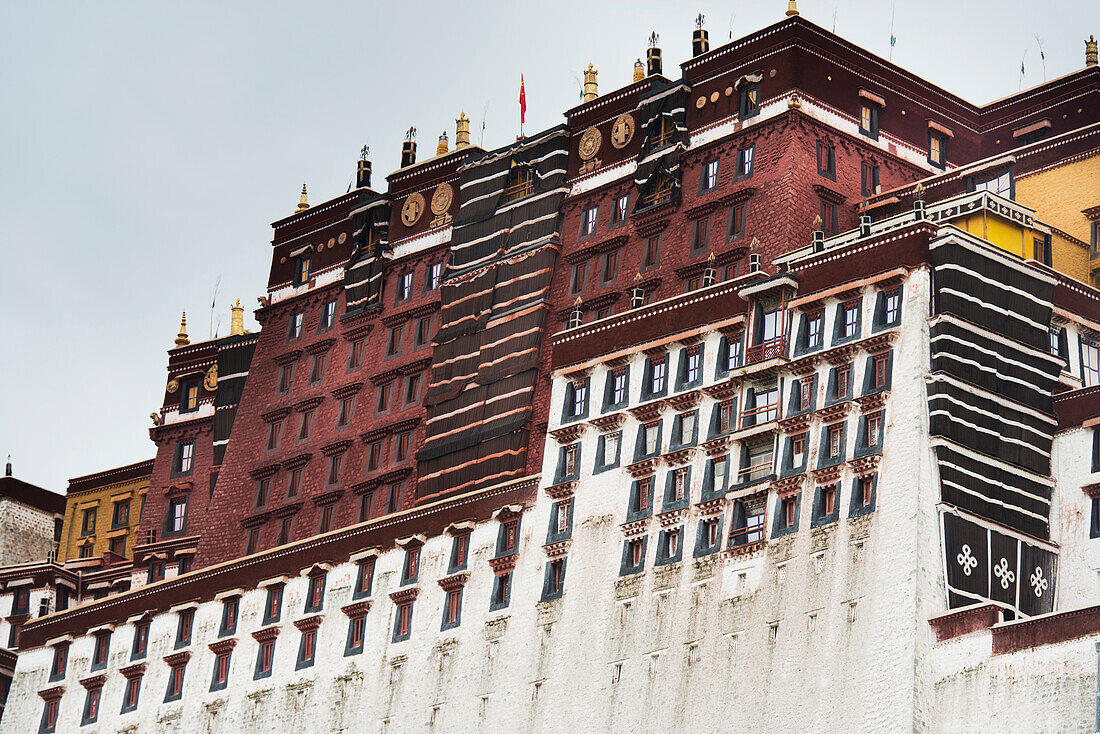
{"points": [[332, 242], [442, 198], [700, 102], [411, 211], [729, 91], [343, 237], [622, 131], [714, 97], [590, 143], [173, 385]]}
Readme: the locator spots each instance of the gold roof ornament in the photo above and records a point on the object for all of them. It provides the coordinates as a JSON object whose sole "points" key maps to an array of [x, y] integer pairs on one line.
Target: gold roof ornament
{"points": [[303, 202], [639, 70], [236, 319], [462, 131], [590, 85], [1090, 51], [794, 102], [442, 147], [792, 8], [817, 222], [181, 338], [918, 191]]}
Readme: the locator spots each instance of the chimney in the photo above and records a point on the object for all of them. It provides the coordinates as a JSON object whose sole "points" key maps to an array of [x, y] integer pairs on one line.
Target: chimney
{"points": [[236, 313], [653, 54], [639, 70], [864, 225], [462, 131], [181, 338], [442, 146], [700, 39], [408, 148], [303, 201], [590, 86], [362, 172], [1090, 51], [7, 471]]}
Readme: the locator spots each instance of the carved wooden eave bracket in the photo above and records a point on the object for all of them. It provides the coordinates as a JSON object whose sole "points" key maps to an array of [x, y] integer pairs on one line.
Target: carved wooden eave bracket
{"points": [[748, 549], [716, 446], [711, 508], [724, 390], [880, 343], [834, 413], [358, 609], [503, 564], [648, 412], [684, 401], [608, 423], [643, 468], [559, 549], [840, 356], [873, 402], [561, 491], [635, 528], [454, 582], [681, 457], [865, 466], [804, 366], [788, 486], [673, 517], [795, 424], [827, 474], [569, 434], [404, 596]]}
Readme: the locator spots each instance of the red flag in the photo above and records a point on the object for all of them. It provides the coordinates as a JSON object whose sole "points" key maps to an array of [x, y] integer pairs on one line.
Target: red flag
{"points": [[522, 102]]}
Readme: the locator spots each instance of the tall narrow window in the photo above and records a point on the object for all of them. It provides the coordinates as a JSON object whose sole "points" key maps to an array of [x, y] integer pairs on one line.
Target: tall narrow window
{"points": [[306, 425], [184, 626], [569, 460], [1090, 364], [412, 389], [745, 161], [294, 482], [393, 340], [343, 416], [691, 371], [805, 395], [700, 235], [618, 390], [589, 220], [374, 455], [435, 276], [404, 286], [710, 175], [750, 100], [610, 266], [177, 514], [843, 381], [868, 178], [285, 531], [186, 457], [190, 398], [657, 376], [286, 371], [301, 269], [325, 523], [423, 331], [836, 440], [880, 363], [401, 446], [829, 216], [679, 484], [652, 253], [328, 316], [297, 321], [725, 417], [937, 149], [874, 428], [622, 207], [736, 222], [334, 463], [317, 372], [826, 160], [580, 274], [868, 119], [273, 430], [383, 403], [893, 300], [252, 541], [851, 319]]}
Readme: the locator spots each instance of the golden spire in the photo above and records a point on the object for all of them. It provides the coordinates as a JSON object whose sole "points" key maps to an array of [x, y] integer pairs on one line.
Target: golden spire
{"points": [[462, 131], [792, 8], [236, 319], [181, 338], [639, 70], [442, 147], [1090, 51], [590, 87], [303, 203]]}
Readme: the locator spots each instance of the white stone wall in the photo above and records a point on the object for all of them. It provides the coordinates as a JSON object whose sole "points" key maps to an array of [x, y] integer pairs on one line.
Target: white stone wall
{"points": [[26, 533], [679, 647], [1071, 520], [1051, 688]]}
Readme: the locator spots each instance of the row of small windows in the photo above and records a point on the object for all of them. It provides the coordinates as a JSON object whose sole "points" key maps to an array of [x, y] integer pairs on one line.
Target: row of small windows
{"points": [[403, 290], [422, 333]]}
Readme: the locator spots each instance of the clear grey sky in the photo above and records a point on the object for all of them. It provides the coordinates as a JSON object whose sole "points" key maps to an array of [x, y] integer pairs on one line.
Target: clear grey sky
{"points": [[145, 148]]}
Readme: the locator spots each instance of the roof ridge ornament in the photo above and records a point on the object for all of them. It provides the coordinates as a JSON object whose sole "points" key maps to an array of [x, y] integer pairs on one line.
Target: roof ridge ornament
{"points": [[792, 8], [181, 338], [303, 200]]}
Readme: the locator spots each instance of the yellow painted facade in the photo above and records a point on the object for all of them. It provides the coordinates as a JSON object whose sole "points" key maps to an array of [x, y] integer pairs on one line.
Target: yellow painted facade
{"points": [[102, 515], [1059, 196]]}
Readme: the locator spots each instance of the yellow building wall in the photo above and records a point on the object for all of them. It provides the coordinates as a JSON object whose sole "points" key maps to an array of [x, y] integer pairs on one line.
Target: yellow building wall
{"points": [[1058, 196], [103, 499]]}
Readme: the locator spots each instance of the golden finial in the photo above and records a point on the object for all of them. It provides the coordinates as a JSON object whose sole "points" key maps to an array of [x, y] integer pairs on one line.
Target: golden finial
{"points": [[1090, 51], [442, 147], [181, 338], [711, 258], [236, 319], [590, 87], [754, 244], [637, 277], [462, 131], [792, 8], [817, 222], [794, 102], [639, 70], [578, 303], [303, 203], [918, 191]]}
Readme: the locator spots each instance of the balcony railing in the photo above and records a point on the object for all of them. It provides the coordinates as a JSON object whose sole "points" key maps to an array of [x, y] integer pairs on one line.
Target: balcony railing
{"points": [[757, 416], [771, 349], [751, 533], [755, 472]]}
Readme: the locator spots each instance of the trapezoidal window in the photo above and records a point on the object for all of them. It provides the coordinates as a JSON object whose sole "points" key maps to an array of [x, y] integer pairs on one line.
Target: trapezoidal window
{"points": [[521, 183]]}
